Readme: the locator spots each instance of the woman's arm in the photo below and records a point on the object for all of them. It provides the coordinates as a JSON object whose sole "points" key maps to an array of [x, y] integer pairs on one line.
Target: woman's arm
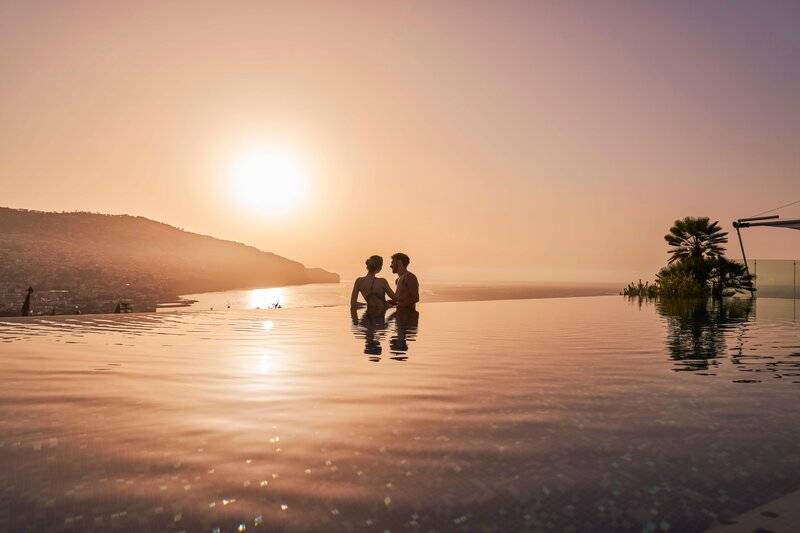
{"points": [[389, 290], [354, 294]]}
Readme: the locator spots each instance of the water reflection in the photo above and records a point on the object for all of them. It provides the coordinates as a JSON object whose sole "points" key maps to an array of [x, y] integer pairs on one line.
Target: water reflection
{"points": [[700, 333], [696, 329], [406, 322], [266, 362], [273, 421], [267, 298], [372, 325]]}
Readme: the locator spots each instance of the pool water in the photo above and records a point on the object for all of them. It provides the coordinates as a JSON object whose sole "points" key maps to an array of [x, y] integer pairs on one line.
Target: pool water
{"points": [[571, 414]]}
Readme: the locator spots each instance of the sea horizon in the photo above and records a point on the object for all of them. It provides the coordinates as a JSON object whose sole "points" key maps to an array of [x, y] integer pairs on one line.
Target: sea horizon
{"points": [[338, 294]]}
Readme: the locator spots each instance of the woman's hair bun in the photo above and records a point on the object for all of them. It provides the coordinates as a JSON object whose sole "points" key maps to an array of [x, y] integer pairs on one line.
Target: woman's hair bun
{"points": [[374, 263]]}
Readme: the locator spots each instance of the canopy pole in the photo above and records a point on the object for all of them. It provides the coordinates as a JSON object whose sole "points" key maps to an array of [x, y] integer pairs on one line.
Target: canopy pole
{"points": [[741, 245], [744, 256]]}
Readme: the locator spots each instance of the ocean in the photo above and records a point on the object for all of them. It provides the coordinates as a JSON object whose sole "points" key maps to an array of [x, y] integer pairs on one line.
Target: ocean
{"points": [[588, 413]]}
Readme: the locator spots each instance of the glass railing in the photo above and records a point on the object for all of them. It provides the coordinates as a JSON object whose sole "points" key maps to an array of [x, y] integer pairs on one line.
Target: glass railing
{"points": [[776, 278]]}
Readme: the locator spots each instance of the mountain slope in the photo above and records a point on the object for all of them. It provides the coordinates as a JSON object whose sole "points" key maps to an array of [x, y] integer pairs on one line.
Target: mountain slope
{"points": [[112, 257]]}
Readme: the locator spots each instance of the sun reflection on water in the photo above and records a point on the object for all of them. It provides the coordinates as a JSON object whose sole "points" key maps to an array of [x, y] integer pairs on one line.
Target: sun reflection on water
{"points": [[266, 362], [267, 298], [305, 415]]}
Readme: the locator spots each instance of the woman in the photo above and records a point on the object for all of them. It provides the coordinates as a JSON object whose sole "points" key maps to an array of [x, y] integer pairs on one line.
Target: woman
{"points": [[372, 288]]}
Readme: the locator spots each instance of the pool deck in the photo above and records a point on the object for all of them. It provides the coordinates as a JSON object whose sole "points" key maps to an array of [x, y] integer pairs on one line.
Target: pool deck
{"points": [[778, 516]]}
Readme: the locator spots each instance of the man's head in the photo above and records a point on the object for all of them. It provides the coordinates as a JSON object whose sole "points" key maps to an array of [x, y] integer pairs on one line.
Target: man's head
{"points": [[400, 262]]}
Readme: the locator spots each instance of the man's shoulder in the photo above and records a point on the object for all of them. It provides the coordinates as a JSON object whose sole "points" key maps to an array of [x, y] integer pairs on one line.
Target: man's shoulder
{"points": [[411, 276]]}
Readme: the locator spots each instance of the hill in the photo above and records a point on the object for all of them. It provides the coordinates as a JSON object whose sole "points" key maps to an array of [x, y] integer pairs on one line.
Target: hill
{"points": [[93, 261]]}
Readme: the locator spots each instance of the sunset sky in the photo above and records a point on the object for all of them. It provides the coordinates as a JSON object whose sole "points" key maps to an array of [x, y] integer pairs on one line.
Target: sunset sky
{"points": [[488, 140]]}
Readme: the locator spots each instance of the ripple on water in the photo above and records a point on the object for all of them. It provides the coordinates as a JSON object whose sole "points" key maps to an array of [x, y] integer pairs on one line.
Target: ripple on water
{"points": [[544, 414]]}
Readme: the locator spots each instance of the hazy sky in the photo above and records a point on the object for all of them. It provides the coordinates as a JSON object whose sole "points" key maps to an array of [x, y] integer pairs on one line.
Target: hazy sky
{"points": [[494, 140]]}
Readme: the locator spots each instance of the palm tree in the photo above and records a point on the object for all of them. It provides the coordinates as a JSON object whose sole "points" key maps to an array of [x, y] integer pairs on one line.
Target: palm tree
{"points": [[729, 275], [695, 239]]}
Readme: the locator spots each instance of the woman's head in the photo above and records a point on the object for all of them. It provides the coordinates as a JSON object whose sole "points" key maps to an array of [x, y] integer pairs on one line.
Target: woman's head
{"points": [[374, 264]]}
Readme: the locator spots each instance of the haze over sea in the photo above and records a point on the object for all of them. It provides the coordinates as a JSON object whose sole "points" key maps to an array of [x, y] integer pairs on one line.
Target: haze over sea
{"points": [[588, 413]]}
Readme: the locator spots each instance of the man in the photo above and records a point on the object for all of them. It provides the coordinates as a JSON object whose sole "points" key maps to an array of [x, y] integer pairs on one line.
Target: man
{"points": [[407, 293]]}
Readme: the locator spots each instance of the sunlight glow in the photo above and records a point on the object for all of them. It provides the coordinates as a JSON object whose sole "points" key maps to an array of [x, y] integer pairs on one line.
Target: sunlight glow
{"points": [[269, 181], [266, 363], [266, 298]]}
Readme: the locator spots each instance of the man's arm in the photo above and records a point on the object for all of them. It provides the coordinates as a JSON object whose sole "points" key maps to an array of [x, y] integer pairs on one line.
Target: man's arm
{"points": [[407, 290], [401, 295], [389, 291]]}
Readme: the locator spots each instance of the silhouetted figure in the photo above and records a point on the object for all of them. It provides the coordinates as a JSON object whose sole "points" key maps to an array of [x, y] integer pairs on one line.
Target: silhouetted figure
{"points": [[372, 288], [53, 311], [118, 309], [26, 305], [407, 293]]}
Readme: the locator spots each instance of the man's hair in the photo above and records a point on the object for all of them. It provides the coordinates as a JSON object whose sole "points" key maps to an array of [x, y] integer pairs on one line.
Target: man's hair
{"points": [[403, 258]]}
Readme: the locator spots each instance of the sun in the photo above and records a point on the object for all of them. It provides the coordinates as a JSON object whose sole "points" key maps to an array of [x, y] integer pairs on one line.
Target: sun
{"points": [[270, 181]]}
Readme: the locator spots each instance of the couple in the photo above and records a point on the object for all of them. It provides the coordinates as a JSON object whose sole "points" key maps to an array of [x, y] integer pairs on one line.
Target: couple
{"points": [[375, 289]]}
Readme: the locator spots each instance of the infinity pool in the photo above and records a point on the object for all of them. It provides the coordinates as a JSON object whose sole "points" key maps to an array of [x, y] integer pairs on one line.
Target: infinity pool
{"points": [[573, 414]]}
